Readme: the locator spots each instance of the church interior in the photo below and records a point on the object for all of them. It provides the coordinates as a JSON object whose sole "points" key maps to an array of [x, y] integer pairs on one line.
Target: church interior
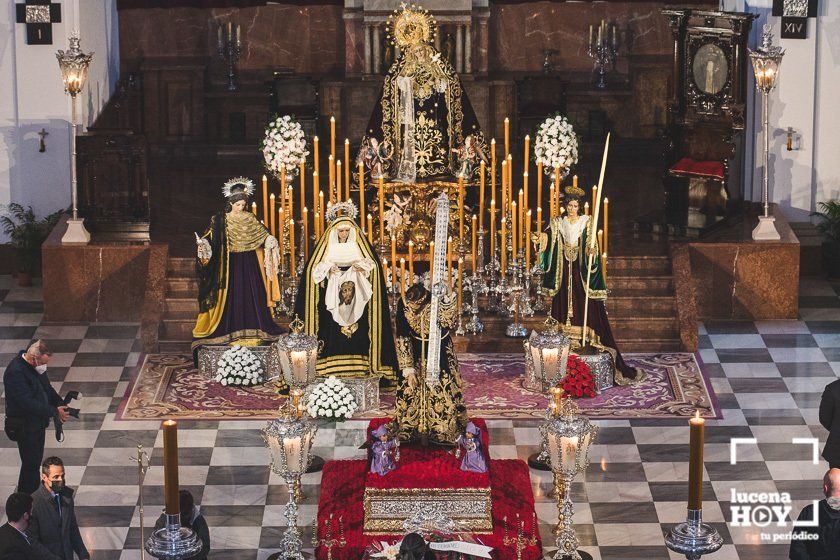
{"points": [[450, 279]]}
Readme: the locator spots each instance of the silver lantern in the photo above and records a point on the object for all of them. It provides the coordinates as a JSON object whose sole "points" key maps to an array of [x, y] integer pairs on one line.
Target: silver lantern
{"points": [[546, 358]]}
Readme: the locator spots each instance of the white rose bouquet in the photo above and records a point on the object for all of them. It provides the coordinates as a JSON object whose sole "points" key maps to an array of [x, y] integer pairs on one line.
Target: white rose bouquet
{"points": [[284, 145], [239, 366], [556, 146], [331, 400]]}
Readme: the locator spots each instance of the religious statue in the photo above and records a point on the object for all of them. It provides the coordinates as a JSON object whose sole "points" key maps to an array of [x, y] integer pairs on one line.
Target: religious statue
{"points": [[384, 451], [238, 260], [423, 112], [343, 301], [468, 157], [428, 411], [564, 255], [470, 443], [375, 155]]}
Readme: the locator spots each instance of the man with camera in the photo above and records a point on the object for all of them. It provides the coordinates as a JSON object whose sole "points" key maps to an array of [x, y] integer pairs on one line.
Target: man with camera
{"points": [[30, 403]]}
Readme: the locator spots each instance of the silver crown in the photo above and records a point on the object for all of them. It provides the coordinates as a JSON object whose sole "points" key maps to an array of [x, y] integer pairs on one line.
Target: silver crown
{"points": [[246, 184], [348, 207]]}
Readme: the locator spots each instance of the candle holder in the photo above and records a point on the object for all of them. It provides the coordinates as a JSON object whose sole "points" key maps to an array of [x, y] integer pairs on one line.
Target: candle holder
{"points": [[329, 541], [693, 538], [173, 542], [461, 253], [520, 541], [493, 269], [604, 51], [142, 460], [230, 48]]}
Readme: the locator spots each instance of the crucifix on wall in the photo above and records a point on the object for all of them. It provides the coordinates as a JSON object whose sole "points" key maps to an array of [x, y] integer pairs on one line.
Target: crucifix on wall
{"points": [[38, 16], [795, 14]]}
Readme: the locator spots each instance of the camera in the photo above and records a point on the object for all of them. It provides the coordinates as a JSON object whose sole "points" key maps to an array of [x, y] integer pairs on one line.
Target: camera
{"points": [[74, 412]]}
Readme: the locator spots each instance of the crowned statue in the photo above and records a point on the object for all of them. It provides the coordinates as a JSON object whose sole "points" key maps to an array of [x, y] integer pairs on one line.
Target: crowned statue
{"points": [[564, 253], [423, 119], [343, 301], [238, 261]]}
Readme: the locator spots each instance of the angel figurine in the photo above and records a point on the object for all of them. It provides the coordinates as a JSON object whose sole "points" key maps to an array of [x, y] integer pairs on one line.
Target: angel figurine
{"points": [[375, 155], [468, 155], [470, 442], [398, 215], [384, 451]]}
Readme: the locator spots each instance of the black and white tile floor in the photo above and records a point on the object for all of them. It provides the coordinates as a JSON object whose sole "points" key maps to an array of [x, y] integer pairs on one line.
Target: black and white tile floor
{"points": [[768, 377]]}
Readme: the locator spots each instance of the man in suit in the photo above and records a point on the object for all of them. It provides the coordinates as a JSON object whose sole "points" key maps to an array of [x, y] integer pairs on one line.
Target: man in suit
{"points": [[823, 541], [30, 403], [14, 542], [53, 522], [830, 419]]}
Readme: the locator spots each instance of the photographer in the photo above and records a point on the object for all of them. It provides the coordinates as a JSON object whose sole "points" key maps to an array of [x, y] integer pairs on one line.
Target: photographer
{"points": [[30, 403]]}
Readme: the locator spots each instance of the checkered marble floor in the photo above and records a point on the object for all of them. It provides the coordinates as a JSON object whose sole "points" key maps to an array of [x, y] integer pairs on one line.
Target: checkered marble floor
{"points": [[768, 376]]}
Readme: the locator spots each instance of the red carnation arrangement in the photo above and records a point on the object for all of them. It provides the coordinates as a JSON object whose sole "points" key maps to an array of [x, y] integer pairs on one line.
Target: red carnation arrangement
{"points": [[578, 382]]}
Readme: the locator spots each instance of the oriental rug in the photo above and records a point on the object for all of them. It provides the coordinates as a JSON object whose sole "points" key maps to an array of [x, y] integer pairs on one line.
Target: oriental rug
{"points": [[168, 386]]}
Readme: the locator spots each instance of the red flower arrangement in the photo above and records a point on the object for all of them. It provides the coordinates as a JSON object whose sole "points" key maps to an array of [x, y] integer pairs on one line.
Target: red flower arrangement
{"points": [[578, 381]]}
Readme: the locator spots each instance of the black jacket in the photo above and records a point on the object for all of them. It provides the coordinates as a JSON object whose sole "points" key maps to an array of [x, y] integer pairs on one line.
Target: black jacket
{"points": [[29, 395], [60, 535], [830, 419], [13, 546], [827, 546]]}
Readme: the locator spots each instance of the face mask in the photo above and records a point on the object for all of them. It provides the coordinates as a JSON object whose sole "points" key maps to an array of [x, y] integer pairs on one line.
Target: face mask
{"points": [[57, 486], [833, 503], [41, 369]]}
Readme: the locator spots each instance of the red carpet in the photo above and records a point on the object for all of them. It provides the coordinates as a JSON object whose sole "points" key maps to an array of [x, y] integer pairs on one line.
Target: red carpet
{"points": [[343, 488]]}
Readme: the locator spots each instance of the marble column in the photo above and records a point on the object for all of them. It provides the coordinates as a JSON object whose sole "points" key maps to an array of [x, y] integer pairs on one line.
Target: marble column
{"points": [[377, 51], [459, 48], [467, 49], [368, 50]]}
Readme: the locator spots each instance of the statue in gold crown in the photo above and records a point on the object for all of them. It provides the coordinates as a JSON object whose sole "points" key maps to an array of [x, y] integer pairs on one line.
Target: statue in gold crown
{"points": [[423, 114], [564, 252]]}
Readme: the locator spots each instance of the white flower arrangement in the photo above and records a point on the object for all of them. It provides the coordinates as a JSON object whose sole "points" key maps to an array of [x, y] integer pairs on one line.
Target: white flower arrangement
{"points": [[284, 145], [331, 400], [556, 146], [238, 366]]}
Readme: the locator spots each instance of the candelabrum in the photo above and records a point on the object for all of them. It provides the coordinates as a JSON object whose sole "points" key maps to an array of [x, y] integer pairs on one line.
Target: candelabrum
{"points": [[493, 270], [537, 274], [693, 537], [230, 47], [520, 541], [604, 51], [142, 460], [525, 309], [329, 541], [459, 331]]}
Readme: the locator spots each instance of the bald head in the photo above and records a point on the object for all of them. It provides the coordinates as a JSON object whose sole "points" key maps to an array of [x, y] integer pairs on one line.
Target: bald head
{"points": [[831, 483]]}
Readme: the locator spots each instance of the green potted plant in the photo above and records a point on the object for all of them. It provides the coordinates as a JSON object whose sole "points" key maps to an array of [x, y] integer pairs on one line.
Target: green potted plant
{"points": [[27, 233], [829, 226]]}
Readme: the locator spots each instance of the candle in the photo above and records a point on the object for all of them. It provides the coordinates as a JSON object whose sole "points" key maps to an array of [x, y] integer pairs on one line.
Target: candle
{"points": [[315, 189], [254, 208], [507, 136], [332, 137], [513, 216], [604, 266], [539, 184], [558, 193], [539, 219], [281, 240], [290, 203], [331, 181], [431, 261], [382, 210], [594, 195], [586, 208], [575, 181], [600, 29], [402, 276], [338, 179], [528, 240], [601, 238], [527, 161], [492, 171], [170, 467], [238, 35], [411, 259], [695, 463], [525, 190], [317, 159], [370, 228], [292, 258], [321, 212], [265, 200], [273, 205], [449, 261], [504, 188], [521, 217], [461, 209], [220, 42], [302, 185], [347, 167], [492, 229], [305, 217], [386, 273], [510, 177], [502, 248], [474, 242], [283, 189], [460, 284], [362, 189], [552, 210], [481, 195], [393, 249], [591, 34], [606, 245]]}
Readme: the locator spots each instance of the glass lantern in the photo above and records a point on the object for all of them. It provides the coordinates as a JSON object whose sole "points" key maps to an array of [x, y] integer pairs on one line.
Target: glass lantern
{"points": [[298, 353], [290, 442], [766, 61], [567, 438], [74, 66], [546, 358]]}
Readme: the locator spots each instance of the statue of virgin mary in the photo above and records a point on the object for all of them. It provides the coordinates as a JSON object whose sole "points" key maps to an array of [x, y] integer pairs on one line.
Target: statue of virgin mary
{"points": [[343, 302], [423, 117]]}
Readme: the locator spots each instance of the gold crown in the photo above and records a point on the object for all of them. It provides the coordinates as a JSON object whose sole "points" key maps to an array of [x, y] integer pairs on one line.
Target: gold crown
{"points": [[412, 25], [574, 191]]}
